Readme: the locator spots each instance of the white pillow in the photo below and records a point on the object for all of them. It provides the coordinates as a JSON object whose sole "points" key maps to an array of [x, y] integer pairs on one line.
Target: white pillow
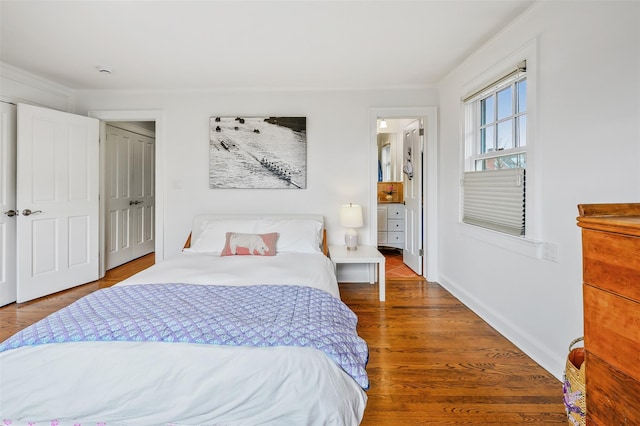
{"points": [[294, 235], [213, 235]]}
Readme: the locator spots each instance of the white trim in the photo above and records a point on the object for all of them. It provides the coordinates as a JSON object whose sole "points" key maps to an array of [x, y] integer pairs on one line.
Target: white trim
{"points": [[133, 127], [521, 245], [141, 115], [430, 178], [499, 84], [38, 87]]}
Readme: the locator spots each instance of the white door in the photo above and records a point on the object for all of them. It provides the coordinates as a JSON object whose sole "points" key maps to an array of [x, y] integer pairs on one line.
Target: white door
{"points": [[143, 194], [412, 172], [57, 198], [7, 203], [130, 196]]}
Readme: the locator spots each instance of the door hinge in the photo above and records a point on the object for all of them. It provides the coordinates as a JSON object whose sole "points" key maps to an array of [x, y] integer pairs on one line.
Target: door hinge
{"points": [[421, 132], [421, 252]]}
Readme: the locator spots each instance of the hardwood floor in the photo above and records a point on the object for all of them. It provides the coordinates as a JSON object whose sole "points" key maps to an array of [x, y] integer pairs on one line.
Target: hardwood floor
{"points": [[15, 317], [432, 360]]}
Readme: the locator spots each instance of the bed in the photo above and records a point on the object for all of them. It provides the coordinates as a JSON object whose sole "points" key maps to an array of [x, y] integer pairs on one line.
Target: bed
{"points": [[212, 336]]}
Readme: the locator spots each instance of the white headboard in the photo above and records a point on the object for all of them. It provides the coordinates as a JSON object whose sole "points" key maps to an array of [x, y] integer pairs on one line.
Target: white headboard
{"points": [[198, 220]]}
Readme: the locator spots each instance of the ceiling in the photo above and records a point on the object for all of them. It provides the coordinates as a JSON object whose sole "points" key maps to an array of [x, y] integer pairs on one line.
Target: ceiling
{"points": [[253, 45]]}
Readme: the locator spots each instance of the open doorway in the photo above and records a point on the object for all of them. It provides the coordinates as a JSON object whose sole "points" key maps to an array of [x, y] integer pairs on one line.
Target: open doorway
{"points": [[135, 118], [418, 158], [400, 196]]}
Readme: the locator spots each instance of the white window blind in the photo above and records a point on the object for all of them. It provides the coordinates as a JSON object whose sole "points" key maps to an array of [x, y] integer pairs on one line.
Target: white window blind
{"points": [[495, 199]]}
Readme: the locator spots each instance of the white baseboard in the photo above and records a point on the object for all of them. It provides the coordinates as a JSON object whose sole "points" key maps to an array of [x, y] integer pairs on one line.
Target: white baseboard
{"points": [[535, 349]]}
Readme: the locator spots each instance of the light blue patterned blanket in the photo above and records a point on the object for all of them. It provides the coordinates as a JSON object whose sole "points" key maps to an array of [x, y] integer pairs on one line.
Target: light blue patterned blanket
{"points": [[263, 316]]}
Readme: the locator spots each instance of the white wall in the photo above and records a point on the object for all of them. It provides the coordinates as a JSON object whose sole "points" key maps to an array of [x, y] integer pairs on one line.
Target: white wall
{"points": [[339, 150], [586, 149]]}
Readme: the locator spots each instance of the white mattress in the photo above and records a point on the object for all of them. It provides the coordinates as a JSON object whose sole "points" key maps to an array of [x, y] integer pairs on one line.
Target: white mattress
{"points": [[149, 383]]}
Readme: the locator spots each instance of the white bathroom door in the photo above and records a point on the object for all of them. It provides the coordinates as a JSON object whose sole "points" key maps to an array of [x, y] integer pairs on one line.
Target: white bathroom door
{"points": [[7, 203], [57, 198], [412, 162]]}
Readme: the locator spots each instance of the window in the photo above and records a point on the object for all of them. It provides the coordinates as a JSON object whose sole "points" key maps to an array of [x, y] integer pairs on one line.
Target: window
{"points": [[496, 154]]}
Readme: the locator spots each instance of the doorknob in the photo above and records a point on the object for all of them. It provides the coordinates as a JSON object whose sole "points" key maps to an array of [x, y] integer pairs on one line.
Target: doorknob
{"points": [[11, 213], [27, 212], [131, 203]]}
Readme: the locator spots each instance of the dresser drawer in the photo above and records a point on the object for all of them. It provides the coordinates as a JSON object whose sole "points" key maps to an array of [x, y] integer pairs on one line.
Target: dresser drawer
{"points": [[382, 237], [612, 396], [395, 237], [395, 212], [611, 329], [395, 225], [612, 262]]}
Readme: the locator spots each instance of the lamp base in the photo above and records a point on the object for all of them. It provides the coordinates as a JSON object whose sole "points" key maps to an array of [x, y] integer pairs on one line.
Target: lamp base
{"points": [[351, 240]]}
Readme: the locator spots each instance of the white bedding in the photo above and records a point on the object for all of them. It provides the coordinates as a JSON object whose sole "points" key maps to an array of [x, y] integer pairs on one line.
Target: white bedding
{"points": [[308, 269], [149, 383], [132, 383]]}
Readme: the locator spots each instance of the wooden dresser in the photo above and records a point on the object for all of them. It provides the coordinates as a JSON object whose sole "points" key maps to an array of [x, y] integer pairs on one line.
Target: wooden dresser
{"points": [[611, 290]]}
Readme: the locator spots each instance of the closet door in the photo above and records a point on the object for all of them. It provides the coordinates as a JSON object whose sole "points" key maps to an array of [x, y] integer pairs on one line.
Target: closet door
{"points": [[8, 207], [130, 197], [142, 192]]}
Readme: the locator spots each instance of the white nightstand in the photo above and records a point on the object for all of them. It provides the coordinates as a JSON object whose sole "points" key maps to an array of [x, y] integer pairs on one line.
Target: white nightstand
{"points": [[364, 254]]}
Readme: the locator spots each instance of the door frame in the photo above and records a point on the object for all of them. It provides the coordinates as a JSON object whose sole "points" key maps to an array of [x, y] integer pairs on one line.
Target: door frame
{"points": [[134, 115], [9, 288], [429, 115]]}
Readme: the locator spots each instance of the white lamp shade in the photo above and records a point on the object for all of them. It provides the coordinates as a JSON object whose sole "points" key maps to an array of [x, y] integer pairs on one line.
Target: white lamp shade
{"points": [[351, 216]]}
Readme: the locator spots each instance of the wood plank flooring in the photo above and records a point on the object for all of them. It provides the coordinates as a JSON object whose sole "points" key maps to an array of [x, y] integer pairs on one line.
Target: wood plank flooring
{"points": [[432, 360], [15, 317]]}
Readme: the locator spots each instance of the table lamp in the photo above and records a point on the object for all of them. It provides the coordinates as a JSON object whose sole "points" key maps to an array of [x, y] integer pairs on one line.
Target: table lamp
{"points": [[350, 218]]}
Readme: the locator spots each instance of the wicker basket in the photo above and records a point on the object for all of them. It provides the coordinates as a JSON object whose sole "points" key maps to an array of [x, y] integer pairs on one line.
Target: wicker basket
{"points": [[573, 388]]}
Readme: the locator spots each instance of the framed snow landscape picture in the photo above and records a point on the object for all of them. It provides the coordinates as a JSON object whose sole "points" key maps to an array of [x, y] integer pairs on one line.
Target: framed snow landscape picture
{"points": [[258, 152]]}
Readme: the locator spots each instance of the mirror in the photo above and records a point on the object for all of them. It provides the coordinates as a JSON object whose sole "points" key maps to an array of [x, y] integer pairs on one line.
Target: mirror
{"points": [[387, 168], [390, 149]]}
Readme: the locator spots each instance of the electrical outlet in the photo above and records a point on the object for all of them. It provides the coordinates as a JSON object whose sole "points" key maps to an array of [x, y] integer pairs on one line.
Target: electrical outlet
{"points": [[550, 252]]}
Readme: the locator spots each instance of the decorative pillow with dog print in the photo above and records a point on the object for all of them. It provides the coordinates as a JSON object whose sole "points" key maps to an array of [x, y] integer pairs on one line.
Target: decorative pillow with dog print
{"points": [[238, 243]]}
